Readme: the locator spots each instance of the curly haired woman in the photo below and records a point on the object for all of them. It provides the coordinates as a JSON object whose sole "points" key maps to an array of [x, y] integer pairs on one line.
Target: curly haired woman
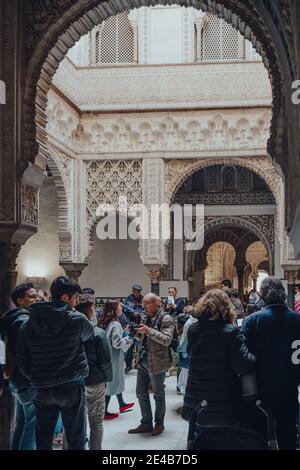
{"points": [[218, 355]]}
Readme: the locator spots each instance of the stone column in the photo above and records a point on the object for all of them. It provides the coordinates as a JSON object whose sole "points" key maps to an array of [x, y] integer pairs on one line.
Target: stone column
{"points": [[291, 276], [73, 270], [92, 39], [191, 287], [8, 277], [9, 251], [199, 23], [134, 24], [254, 279], [154, 272], [240, 269], [153, 249], [202, 279], [241, 46]]}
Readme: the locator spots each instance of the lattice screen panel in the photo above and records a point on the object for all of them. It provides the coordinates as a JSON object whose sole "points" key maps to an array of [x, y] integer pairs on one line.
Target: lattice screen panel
{"points": [[219, 40], [230, 45], [125, 52], [114, 42], [107, 180]]}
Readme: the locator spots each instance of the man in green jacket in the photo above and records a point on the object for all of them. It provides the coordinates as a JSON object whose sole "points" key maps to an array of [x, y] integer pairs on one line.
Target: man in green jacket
{"points": [[156, 334]]}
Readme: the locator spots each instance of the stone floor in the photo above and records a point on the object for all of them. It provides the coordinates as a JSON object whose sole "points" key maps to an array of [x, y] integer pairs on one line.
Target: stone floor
{"points": [[116, 435]]}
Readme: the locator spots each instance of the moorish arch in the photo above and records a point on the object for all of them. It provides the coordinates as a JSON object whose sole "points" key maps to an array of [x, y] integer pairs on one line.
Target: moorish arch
{"points": [[260, 226], [66, 22], [178, 171], [197, 260], [240, 232], [220, 264], [37, 36], [258, 259]]}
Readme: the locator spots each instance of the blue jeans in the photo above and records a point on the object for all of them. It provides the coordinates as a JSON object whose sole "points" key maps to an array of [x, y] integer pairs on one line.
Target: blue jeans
{"points": [[25, 419], [59, 426], [67, 399], [144, 378]]}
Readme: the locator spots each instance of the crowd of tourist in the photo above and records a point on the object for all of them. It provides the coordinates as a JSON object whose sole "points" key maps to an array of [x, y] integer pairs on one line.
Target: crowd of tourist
{"points": [[65, 359]]}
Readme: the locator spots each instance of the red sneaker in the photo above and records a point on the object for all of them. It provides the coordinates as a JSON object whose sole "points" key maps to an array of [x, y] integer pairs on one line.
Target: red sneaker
{"points": [[126, 407], [111, 416]]}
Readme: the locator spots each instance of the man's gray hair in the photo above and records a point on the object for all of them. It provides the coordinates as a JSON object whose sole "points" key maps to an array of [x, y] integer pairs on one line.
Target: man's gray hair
{"points": [[152, 298], [273, 291]]}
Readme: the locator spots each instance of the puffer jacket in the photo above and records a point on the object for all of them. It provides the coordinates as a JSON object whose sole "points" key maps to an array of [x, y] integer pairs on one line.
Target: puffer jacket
{"points": [[159, 339], [50, 349], [10, 326], [98, 356], [218, 354]]}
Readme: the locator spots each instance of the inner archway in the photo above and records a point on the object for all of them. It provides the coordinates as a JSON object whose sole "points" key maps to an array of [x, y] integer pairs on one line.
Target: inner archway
{"points": [[220, 265], [238, 208], [257, 257]]}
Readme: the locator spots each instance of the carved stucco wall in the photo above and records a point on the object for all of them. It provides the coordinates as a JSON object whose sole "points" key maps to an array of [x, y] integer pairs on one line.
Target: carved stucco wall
{"points": [[62, 169], [240, 131], [106, 181], [200, 137], [30, 205], [148, 181]]}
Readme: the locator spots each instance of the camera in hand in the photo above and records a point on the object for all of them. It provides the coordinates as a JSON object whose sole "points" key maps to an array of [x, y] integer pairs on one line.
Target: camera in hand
{"points": [[132, 328]]}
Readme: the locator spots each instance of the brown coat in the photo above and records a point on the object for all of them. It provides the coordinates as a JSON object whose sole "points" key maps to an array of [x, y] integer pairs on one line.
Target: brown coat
{"points": [[158, 342]]}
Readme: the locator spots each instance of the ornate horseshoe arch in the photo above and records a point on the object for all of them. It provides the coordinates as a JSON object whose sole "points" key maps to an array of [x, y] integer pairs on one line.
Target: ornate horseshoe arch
{"points": [[54, 27]]}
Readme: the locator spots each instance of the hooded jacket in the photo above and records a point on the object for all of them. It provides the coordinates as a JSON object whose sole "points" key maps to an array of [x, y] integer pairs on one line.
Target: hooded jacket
{"points": [[50, 349], [10, 326]]}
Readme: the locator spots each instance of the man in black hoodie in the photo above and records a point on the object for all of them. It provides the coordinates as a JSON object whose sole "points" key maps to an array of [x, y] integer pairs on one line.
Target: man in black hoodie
{"points": [[51, 354], [11, 322]]}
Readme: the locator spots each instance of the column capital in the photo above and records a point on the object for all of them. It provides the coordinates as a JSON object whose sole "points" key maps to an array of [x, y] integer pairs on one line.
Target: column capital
{"points": [[154, 272], [73, 270], [291, 275], [200, 21]]}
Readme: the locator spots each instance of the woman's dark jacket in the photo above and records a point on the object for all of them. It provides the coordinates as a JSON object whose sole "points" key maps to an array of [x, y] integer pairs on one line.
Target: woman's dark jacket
{"points": [[218, 354], [98, 356]]}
